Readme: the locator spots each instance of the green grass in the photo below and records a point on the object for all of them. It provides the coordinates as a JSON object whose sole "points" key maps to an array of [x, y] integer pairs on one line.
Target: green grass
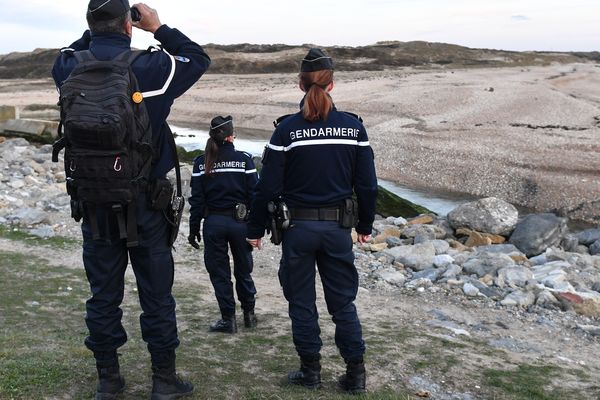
{"points": [[16, 233], [42, 354]]}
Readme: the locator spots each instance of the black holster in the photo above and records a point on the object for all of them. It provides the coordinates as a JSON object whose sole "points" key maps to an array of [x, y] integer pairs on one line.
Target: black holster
{"points": [[240, 213], [160, 193], [279, 220], [349, 213]]}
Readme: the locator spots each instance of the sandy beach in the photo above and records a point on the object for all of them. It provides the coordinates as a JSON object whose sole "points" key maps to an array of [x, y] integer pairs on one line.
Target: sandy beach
{"points": [[527, 135]]}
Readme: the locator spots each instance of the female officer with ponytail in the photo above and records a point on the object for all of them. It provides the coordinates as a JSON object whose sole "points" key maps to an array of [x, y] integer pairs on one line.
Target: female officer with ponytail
{"points": [[222, 183], [316, 160]]}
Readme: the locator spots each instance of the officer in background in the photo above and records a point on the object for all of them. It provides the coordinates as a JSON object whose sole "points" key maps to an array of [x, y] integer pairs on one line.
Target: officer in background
{"points": [[222, 183], [315, 159], [163, 76]]}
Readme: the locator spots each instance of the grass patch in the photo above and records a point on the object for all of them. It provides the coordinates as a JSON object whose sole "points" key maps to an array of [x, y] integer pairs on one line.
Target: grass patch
{"points": [[15, 233], [527, 382]]}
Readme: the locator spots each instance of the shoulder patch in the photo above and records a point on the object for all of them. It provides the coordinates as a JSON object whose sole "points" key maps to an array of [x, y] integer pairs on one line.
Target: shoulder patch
{"points": [[353, 115], [247, 154], [67, 50], [278, 120], [182, 59]]}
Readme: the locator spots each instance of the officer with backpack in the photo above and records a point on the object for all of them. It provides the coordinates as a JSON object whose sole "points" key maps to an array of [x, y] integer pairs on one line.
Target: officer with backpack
{"points": [[223, 180], [118, 150]]}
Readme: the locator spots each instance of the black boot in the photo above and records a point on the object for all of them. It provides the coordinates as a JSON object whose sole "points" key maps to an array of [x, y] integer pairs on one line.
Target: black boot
{"points": [[309, 374], [250, 319], [110, 381], [166, 385], [225, 325], [354, 381]]}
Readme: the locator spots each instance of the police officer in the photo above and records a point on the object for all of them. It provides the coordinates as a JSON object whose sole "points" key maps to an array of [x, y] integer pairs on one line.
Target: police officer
{"points": [[163, 76], [315, 159], [222, 183]]}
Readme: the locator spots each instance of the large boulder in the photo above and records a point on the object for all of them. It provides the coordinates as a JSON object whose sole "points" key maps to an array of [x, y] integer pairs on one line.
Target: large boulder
{"points": [[588, 236], [417, 257], [487, 264], [489, 215], [537, 232]]}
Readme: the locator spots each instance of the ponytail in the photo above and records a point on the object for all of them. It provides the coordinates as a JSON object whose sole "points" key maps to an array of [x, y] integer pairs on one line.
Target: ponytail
{"points": [[211, 152], [317, 102]]}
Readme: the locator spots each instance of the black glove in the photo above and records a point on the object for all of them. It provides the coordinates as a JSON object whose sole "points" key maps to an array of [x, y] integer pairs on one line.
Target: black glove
{"points": [[194, 238]]}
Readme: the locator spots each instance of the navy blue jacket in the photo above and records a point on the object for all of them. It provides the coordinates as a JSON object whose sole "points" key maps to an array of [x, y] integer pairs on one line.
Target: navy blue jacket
{"points": [[317, 164], [162, 75], [232, 181]]}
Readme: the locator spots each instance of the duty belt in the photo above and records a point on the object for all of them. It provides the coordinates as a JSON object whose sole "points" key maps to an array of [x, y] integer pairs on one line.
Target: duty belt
{"points": [[315, 214], [214, 211]]}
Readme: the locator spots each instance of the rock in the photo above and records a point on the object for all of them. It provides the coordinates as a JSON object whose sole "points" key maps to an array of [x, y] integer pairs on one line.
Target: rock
{"points": [[489, 215], [354, 236], [44, 231], [537, 232], [487, 263], [480, 237], [393, 241], [590, 329], [552, 274], [546, 299], [507, 249], [538, 260], [570, 243], [432, 274], [516, 276], [519, 298], [588, 236], [519, 258], [452, 272], [430, 231], [441, 246], [419, 283], [399, 221], [392, 277], [29, 216], [442, 261], [595, 248], [596, 287], [477, 239], [421, 220], [470, 290], [7, 112], [417, 257], [376, 247], [585, 304], [16, 184], [455, 244], [388, 232]]}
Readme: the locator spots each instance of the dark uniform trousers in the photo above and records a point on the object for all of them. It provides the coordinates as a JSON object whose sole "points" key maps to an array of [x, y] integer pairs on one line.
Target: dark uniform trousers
{"points": [[218, 231], [330, 246], [105, 262]]}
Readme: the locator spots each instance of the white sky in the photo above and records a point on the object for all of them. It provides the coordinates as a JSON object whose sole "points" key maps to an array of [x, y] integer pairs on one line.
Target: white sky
{"points": [[565, 25]]}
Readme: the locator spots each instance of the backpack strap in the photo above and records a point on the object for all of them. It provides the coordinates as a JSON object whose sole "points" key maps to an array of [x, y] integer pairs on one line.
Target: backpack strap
{"points": [[84, 55], [129, 56]]}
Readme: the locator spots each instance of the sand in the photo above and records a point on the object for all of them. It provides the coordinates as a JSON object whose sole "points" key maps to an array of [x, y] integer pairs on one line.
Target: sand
{"points": [[527, 135]]}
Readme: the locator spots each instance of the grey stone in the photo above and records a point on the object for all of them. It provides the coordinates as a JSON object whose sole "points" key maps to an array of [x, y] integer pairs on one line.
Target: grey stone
{"points": [[441, 246], [442, 261], [426, 231], [581, 249], [419, 283], [546, 299], [392, 277], [590, 329], [595, 248], [570, 243], [519, 298], [29, 216], [538, 260], [432, 274], [537, 232], [516, 276], [44, 231], [588, 236], [418, 257], [470, 290], [400, 221], [393, 241], [489, 215], [487, 263], [596, 287], [452, 271], [552, 274], [507, 248], [425, 237]]}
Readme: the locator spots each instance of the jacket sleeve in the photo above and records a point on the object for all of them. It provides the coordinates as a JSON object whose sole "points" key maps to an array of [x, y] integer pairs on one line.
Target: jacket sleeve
{"points": [[251, 180], [65, 62], [268, 187], [196, 200], [365, 184], [187, 58]]}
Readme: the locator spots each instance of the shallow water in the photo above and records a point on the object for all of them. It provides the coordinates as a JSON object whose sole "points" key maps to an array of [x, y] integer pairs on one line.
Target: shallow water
{"points": [[440, 203]]}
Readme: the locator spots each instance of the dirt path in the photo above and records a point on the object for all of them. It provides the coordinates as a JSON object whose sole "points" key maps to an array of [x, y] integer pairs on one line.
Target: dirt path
{"points": [[436, 340]]}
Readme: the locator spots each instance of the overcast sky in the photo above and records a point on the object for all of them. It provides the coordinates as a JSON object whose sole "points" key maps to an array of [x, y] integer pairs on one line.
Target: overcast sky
{"points": [[563, 25]]}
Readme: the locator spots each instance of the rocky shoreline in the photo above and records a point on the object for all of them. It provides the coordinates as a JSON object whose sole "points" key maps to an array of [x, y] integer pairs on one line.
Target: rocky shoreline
{"points": [[481, 249]]}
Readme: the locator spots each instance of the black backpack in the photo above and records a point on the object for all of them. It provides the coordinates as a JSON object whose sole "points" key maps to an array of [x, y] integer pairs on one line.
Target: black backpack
{"points": [[105, 130]]}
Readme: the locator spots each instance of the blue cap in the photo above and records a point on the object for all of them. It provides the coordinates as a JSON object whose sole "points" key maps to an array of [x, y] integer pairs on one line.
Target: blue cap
{"points": [[316, 60], [105, 10]]}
